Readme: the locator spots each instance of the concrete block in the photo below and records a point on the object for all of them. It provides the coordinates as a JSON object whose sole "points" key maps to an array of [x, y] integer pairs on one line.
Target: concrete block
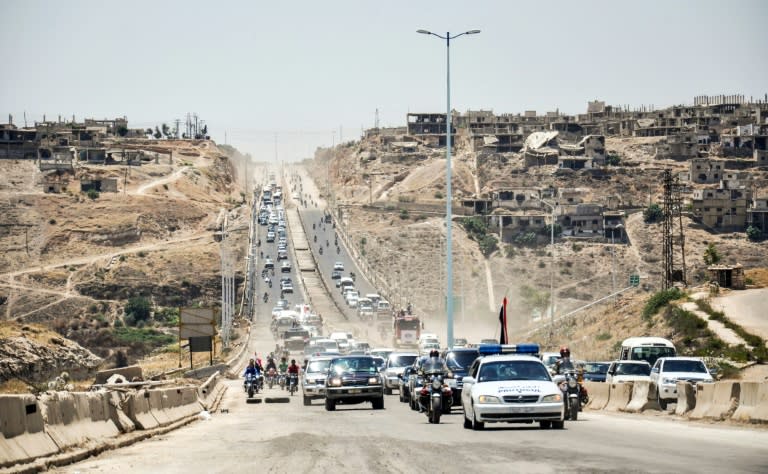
{"points": [[598, 394], [704, 396], [118, 416], [137, 409], [23, 436], [75, 419], [686, 398], [725, 399], [131, 372], [642, 398], [157, 407], [620, 396]]}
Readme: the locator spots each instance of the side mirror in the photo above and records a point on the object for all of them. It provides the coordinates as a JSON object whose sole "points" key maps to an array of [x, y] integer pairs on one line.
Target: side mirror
{"points": [[468, 380]]}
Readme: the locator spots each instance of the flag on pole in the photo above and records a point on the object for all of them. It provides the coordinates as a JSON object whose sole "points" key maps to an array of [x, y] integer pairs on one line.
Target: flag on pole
{"points": [[503, 337]]}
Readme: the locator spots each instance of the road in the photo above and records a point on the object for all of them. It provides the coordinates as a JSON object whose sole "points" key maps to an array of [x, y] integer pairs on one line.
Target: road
{"points": [[290, 437], [746, 308]]}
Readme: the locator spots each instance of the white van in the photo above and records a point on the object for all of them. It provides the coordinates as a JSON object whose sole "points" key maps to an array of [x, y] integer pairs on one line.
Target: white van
{"points": [[345, 283], [648, 349]]}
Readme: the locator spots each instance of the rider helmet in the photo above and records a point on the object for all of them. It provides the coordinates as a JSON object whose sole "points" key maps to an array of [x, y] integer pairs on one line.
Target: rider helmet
{"points": [[565, 352], [434, 353]]}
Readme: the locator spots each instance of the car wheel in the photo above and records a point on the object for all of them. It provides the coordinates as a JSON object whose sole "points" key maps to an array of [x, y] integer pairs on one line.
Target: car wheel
{"points": [[574, 409], [558, 425], [414, 404], [477, 425], [330, 405], [467, 422], [436, 411], [307, 401], [400, 396], [387, 391], [545, 425], [662, 402], [378, 403]]}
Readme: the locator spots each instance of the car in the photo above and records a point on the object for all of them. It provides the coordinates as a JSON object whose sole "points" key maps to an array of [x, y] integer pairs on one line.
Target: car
{"points": [[427, 347], [512, 388], [270, 236], [286, 287], [282, 254], [338, 266], [402, 384], [415, 380], [268, 263], [342, 339], [628, 371], [667, 371], [328, 344], [353, 379], [549, 359], [363, 346], [489, 341], [460, 342], [382, 352], [380, 361], [313, 380], [427, 335], [335, 275], [294, 343], [458, 361], [395, 365], [596, 371], [344, 283], [285, 267]]}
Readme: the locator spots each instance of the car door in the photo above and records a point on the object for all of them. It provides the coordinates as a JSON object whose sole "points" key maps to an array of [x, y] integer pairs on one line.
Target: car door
{"points": [[609, 374], [466, 391], [656, 372]]}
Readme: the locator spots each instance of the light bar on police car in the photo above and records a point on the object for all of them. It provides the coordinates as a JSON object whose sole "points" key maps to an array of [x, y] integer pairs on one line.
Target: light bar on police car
{"points": [[520, 349]]}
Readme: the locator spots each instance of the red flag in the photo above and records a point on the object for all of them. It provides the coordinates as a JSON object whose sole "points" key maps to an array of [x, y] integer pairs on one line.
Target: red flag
{"points": [[503, 338]]}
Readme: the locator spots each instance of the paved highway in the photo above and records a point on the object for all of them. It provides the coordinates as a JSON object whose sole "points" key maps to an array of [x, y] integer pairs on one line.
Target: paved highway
{"points": [[290, 437]]}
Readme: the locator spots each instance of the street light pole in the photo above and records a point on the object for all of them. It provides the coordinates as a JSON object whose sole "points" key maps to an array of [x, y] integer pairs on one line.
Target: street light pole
{"points": [[552, 264], [448, 197]]}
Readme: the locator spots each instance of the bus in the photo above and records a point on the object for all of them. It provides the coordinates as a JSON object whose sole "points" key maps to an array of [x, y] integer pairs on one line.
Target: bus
{"points": [[646, 348]]}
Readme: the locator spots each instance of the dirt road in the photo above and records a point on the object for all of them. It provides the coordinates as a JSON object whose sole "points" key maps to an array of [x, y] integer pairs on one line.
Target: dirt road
{"points": [[747, 308]]}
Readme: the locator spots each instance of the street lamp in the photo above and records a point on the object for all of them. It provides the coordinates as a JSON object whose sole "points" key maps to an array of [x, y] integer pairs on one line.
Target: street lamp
{"points": [[620, 227], [448, 210], [552, 264]]}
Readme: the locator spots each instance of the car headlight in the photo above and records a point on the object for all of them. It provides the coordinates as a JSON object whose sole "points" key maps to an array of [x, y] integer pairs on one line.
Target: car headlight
{"points": [[335, 382], [488, 399], [374, 381], [668, 381], [552, 398]]}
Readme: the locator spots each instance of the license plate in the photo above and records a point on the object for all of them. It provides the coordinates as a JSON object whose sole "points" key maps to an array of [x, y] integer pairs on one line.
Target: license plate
{"points": [[526, 410], [355, 390]]}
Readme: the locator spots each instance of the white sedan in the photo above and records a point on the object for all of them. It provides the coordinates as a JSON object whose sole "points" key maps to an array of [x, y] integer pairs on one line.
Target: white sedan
{"points": [[511, 389], [338, 266]]}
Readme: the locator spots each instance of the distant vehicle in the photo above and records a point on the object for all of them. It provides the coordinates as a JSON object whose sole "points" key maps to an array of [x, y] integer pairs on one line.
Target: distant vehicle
{"points": [[282, 254], [458, 360], [428, 347], [549, 359], [646, 348], [342, 339], [285, 267], [270, 236], [405, 331], [383, 309], [365, 308], [335, 275], [268, 263], [667, 371], [382, 352], [489, 341], [596, 371], [459, 342], [286, 287], [353, 379], [346, 282], [628, 371], [339, 266], [394, 367], [313, 381]]}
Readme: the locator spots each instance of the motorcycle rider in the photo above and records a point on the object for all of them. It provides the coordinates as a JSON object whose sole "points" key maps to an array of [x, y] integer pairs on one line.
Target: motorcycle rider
{"points": [[271, 364], [293, 368], [252, 369], [434, 355], [564, 362]]}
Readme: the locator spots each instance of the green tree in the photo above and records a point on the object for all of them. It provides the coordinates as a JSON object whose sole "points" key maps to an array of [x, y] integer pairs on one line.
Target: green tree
{"points": [[653, 213], [546, 230], [754, 233], [158, 134], [138, 309], [166, 130], [92, 194], [711, 256], [612, 160], [122, 130], [148, 132]]}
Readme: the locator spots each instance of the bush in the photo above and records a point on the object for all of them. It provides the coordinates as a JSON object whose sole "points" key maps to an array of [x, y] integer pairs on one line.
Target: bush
{"points": [[711, 255], [547, 230], [659, 300], [92, 194], [603, 336], [754, 233], [404, 214], [138, 309], [525, 239], [52, 221], [438, 195], [653, 213], [612, 160]]}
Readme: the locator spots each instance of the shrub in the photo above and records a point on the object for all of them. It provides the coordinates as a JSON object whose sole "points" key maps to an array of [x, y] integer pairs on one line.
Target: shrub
{"points": [[404, 214], [92, 194], [542, 264], [525, 239], [52, 221], [438, 195], [754, 233], [603, 336], [141, 253], [659, 300], [122, 258], [547, 230], [138, 308], [576, 247], [711, 255], [612, 160], [653, 213]]}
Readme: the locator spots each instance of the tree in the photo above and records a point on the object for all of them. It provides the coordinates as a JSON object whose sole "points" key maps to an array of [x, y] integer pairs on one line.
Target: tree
{"points": [[547, 230], [121, 359], [157, 134], [138, 309], [148, 132], [122, 130], [711, 256], [166, 130], [653, 213], [205, 130], [754, 233], [92, 194], [612, 160]]}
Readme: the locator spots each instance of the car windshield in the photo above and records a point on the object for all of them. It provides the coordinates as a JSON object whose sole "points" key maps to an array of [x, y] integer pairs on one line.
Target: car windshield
{"points": [[320, 366], [651, 353], [595, 368], [685, 366], [513, 370], [633, 369], [433, 365], [401, 360], [354, 364], [461, 359]]}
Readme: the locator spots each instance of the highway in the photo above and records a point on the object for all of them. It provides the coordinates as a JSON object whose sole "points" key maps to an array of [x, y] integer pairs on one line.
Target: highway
{"points": [[290, 437]]}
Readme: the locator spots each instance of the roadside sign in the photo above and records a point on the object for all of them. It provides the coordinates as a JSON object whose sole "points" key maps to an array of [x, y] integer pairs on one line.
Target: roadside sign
{"points": [[634, 280], [196, 322]]}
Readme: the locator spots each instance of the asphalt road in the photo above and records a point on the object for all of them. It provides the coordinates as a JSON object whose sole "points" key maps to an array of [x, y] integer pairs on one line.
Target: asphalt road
{"points": [[290, 437]]}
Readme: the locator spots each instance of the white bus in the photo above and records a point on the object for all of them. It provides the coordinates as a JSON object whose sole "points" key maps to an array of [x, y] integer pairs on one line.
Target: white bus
{"points": [[646, 348]]}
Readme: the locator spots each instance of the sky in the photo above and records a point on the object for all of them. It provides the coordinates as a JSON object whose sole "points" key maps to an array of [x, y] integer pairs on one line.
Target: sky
{"points": [[282, 78]]}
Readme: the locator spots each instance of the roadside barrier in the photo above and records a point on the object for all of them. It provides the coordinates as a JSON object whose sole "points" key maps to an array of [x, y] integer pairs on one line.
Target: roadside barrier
{"points": [[75, 419], [641, 400], [138, 410], [619, 397], [753, 403], [704, 395], [116, 401], [686, 398], [725, 398], [23, 431], [598, 394]]}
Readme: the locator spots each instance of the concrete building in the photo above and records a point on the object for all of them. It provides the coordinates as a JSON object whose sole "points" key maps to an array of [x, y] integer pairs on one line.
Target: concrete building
{"points": [[721, 208], [757, 214], [430, 128], [706, 170]]}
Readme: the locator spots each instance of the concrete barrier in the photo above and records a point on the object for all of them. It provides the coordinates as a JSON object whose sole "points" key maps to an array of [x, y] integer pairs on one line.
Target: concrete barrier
{"points": [[117, 413], [77, 418], [725, 399], [619, 397], [23, 437], [598, 394], [130, 373], [686, 398], [137, 408], [704, 396], [753, 403], [641, 398], [157, 408]]}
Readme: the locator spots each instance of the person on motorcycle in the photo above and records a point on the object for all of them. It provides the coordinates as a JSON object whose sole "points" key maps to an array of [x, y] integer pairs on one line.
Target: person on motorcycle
{"points": [[266, 296], [283, 365], [250, 370], [293, 369], [271, 364], [564, 362]]}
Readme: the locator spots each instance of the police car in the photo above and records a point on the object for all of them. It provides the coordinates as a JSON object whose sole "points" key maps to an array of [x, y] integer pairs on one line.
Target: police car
{"points": [[509, 383]]}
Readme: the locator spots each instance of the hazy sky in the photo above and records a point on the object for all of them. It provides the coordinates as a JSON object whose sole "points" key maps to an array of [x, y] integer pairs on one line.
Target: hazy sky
{"points": [[304, 68]]}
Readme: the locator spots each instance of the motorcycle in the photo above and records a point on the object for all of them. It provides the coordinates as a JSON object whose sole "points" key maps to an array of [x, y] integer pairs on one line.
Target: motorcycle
{"points": [[338, 250], [436, 397], [271, 377], [266, 296], [281, 381], [569, 385], [251, 384], [315, 239], [321, 250], [293, 383]]}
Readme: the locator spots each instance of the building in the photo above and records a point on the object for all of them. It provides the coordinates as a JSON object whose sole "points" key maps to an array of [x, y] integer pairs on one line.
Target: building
{"points": [[757, 214], [720, 208], [706, 170], [430, 128], [727, 276]]}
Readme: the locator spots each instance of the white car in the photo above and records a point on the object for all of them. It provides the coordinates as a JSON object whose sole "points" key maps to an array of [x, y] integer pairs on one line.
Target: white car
{"points": [[628, 371], [511, 389], [667, 371], [338, 266], [313, 379]]}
